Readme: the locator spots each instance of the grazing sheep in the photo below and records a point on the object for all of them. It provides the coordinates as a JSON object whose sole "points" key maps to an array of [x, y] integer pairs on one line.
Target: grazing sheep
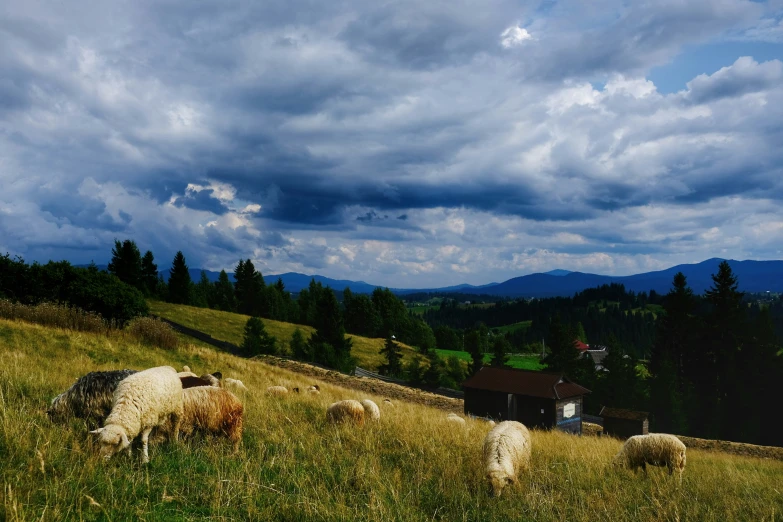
{"points": [[656, 449], [88, 398], [234, 383], [141, 401], [208, 409], [192, 382], [371, 410], [186, 368], [387, 402], [453, 417], [314, 389], [212, 379], [491, 422], [277, 390], [296, 390], [506, 453], [186, 374], [345, 411]]}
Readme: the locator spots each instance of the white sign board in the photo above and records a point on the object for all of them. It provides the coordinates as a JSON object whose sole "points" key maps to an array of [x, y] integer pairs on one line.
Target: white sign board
{"points": [[569, 410]]}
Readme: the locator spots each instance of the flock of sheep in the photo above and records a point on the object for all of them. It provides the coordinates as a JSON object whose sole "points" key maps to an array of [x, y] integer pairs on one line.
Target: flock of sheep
{"points": [[161, 403]]}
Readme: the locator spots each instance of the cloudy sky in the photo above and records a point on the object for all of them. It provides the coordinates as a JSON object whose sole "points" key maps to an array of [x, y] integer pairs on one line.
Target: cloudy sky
{"points": [[405, 143]]}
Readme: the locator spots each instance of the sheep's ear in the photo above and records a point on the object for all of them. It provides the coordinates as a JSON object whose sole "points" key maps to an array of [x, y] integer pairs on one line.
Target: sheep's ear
{"points": [[125, 441], [96, 432]]}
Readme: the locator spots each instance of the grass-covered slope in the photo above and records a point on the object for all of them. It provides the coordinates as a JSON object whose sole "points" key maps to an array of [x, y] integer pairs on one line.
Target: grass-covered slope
{"points": [[230, 327], [413, 466], [523, 362]]}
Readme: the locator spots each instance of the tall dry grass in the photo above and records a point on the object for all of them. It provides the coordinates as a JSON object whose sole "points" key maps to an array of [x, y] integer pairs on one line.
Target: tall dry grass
{"points": [[292, 465], [56, 316], [145, 329]]}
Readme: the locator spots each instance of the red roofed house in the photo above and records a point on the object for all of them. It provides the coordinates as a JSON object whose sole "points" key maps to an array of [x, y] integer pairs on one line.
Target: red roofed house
{"points": [[536, 399], [582, 347]]}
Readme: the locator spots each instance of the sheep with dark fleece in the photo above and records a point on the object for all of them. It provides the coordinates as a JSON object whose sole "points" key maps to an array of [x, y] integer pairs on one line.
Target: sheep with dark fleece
{"points": [[89, 398]]}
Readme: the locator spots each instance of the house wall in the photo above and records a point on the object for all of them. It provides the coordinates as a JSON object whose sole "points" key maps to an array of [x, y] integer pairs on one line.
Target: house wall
{"points": [[569, 415], [625, 428], [483, 403]]}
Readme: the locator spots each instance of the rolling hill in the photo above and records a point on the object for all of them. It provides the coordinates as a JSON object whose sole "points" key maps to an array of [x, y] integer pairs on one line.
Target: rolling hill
{"points": [[412, 466]]}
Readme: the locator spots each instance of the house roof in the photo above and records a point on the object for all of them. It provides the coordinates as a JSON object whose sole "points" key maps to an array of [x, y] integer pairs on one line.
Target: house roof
{"points": [[620, 413], [579, 345], [598, 355], [525, 382]]}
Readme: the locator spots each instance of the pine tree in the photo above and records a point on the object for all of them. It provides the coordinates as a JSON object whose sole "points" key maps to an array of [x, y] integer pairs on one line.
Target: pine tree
{"points": [[434, 372], [473, 347], [675, 359], [299, 347], [724, 333], [563, 354], [179, 281], [149, 274], [223, 292], [580, 332], [256, 340], [393, 354], [126, 263], [500, 349], [202, 292], [454, 372], [414, 370], [329, 344], [250, 290]]}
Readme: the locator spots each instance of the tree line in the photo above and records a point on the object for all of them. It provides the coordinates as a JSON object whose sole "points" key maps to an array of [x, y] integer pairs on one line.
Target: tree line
{"points": [[713, 368]]}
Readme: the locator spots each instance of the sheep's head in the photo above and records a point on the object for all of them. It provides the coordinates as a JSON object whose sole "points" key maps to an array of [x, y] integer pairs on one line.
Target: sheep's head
{"points": [[56, 411], [498, 481], [112, 439]]}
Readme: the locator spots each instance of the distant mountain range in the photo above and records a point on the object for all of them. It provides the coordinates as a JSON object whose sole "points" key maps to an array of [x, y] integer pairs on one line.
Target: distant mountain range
{"points": [[753, 276]]}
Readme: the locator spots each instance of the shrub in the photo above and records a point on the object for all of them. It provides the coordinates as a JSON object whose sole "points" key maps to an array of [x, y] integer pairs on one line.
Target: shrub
{"points": [[154, 332]]}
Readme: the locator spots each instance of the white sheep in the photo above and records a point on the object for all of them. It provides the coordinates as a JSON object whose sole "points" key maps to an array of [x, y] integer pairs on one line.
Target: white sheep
{"points": [[506, 453], [314, 389], [186, 368], [387, 402], [186, 374], [453, 417], [234, 383], [656, 449], [277, 390], [371, 410], [141, 401], [344, 411]]}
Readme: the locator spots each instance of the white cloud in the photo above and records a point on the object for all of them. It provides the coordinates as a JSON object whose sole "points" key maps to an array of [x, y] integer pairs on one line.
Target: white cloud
{"points": [[514, 36]]}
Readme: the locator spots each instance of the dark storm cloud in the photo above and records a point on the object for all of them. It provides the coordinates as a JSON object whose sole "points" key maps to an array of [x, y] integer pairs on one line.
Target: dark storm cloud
{"points": [[202, 200], [417, 125]]}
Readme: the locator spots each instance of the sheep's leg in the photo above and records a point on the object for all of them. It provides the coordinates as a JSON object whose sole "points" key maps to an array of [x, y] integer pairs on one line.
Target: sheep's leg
{"points": [[144, 440], [644, 468], [176, 422]]}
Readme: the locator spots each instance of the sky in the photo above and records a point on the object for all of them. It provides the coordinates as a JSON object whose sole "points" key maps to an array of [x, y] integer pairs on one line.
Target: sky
{"points": [[408, 143]]}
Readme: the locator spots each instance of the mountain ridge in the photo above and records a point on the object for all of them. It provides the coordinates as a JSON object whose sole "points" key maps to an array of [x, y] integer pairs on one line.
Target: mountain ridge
{"points": [[752, 275]]}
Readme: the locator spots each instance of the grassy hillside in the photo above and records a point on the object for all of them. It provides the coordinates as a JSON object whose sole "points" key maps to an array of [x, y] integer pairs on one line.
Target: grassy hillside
{"points": [[516, 361], [413, 466], [230, 327]]}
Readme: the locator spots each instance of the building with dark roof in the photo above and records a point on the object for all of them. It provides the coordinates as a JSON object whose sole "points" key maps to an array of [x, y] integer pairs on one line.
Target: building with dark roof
{"points": [[536, 399], [623, 423]]}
